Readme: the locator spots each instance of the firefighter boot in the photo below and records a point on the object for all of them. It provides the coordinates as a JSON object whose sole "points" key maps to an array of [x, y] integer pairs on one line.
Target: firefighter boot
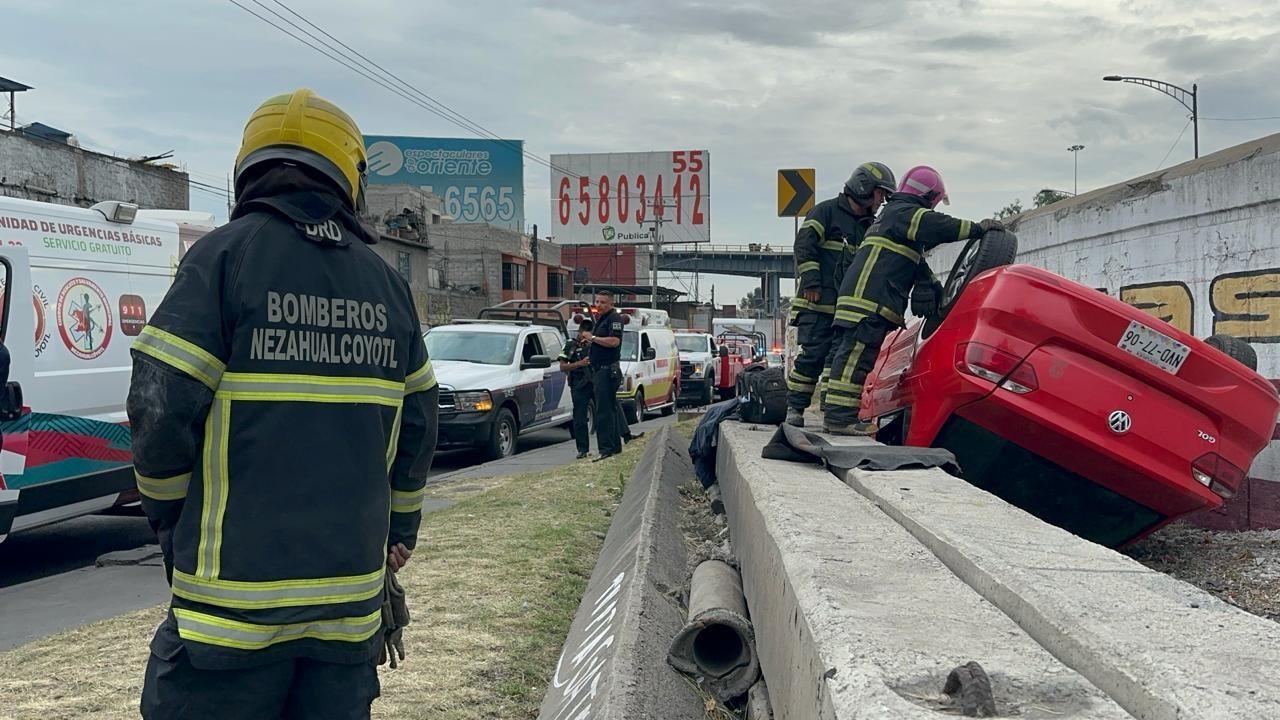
{"points": [[858, 429], [795, 417]]}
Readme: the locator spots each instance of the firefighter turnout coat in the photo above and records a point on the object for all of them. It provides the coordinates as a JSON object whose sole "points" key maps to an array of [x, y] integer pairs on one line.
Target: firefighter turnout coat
{"points": [[883, 271], [284, 415], [824, 247]]}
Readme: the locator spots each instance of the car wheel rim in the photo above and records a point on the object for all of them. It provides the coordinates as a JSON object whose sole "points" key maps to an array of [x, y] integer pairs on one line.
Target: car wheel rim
{"points": [[506, 439], [961, 274]]}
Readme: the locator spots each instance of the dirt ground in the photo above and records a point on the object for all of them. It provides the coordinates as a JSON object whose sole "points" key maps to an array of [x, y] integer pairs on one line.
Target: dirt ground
{"points": [[1242, 568]]}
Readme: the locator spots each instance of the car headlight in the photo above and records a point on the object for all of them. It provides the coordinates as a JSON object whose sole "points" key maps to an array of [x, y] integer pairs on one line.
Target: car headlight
{"points": [[698, 368], [473, 401]]}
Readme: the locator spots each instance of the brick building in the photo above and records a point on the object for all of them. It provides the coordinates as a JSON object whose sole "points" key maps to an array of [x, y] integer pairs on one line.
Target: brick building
{"points": [[44, 164], [456, 269]]}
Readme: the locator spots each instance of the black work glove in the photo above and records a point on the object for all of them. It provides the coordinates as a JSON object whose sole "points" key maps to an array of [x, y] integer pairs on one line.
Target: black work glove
{"points": [[926, 298], [991, 224], [395, 616]]}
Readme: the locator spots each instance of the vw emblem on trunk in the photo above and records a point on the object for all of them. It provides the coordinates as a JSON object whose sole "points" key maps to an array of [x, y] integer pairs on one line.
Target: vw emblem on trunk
{"points": [[1119, 422]]}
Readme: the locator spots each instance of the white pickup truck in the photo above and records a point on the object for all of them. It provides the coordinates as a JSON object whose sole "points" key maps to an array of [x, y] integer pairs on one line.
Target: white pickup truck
{"points": [[498, 375]]}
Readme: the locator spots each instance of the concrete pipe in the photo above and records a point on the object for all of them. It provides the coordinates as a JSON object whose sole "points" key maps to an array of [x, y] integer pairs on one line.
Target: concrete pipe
{"points": [[717, 644]]}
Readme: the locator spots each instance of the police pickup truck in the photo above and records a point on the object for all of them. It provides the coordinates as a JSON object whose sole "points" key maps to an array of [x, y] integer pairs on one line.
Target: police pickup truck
{"points": [[498, 375]]}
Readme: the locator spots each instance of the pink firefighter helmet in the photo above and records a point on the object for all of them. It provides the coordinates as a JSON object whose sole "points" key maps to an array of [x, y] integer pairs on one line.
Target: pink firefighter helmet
{"points": [[924, 181]]}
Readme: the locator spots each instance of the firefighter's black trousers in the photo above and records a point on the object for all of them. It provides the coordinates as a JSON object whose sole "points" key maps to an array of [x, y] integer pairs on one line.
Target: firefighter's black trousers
{"points": [[298, 689], [855, 358], [815, 336]]}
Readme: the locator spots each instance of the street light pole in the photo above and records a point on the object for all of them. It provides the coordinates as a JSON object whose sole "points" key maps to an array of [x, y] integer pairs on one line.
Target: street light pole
{"points": [[1075, 170], [1182, 95]]}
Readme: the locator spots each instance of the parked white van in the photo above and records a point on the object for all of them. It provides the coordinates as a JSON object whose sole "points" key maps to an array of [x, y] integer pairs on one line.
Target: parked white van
{"points": [[78, 286], [650, 363]]}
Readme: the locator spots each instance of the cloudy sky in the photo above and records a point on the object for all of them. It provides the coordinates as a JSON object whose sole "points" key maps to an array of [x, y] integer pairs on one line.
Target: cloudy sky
{"points": [[991, 92]]}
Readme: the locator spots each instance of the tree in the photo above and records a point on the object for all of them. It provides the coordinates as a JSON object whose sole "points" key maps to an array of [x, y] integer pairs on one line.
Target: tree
{"points": [[1049, 197], [751, 301], [1009, 210]]}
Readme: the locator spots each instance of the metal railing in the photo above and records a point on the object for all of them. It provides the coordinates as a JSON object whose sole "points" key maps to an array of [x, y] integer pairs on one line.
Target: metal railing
{"points": [[702, 249]]}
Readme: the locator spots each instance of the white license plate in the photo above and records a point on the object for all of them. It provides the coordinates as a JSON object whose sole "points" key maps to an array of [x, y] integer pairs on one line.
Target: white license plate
{"points": [[1154, 347]]}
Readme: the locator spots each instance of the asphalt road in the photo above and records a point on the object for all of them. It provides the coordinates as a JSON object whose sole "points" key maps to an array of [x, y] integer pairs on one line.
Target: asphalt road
{"points": [[49, 580]]}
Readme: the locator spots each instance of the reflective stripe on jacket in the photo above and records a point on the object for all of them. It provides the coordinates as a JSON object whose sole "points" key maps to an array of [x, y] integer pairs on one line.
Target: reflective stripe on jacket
{"points": [[824, 246], [284, 414], [879, 279]]}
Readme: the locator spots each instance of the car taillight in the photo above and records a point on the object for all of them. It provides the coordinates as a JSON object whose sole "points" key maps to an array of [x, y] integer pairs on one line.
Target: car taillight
{"points": [[1004, 369], [1214, 472]]}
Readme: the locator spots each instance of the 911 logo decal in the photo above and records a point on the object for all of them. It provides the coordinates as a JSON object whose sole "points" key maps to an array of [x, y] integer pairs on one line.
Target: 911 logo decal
{"points": [[84, 318]]}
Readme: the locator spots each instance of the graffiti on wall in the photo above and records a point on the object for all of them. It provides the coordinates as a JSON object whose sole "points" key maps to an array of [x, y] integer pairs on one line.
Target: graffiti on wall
{"points": [[1243, 304]]}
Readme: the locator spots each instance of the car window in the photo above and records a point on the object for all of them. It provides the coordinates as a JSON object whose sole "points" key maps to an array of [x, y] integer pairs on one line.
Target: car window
{"points": [[693, 343], [486, 348], [630, 341], [531, 348], [645, 343], [552, 341]]}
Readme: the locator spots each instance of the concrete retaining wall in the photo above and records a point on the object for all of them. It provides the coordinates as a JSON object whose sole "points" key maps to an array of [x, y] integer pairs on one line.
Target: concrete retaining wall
{"points": [[854, 618], [613, 665], [1161, 648]]}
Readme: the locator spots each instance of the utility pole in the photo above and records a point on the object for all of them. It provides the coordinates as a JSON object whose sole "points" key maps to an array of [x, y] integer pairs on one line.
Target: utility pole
{"points": [[656, 233], [230, 195], [1075, 171], [533, 281]]}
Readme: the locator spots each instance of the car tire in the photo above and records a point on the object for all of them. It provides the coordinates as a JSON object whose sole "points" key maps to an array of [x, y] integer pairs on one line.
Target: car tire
{"points": [[1237, 349], [635, 411], [705, 398], [502, 436], [996, 248], [670, 407]]}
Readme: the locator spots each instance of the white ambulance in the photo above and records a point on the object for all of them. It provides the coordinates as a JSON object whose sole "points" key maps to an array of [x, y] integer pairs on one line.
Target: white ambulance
{"points": [[78, 285], [650, 363]]}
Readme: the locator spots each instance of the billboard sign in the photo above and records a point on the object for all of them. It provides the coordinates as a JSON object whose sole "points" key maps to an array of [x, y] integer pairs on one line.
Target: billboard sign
{"points": [[613, 197], [480, 181]]}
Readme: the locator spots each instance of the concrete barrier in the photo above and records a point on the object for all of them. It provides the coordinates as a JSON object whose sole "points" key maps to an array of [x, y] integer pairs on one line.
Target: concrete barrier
{"points": [[1161, 648], [854, 618], [613, 664]]}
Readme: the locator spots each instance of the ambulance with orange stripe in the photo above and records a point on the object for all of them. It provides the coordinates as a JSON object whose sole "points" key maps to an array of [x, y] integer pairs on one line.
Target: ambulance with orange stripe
{"points": [[650, 362]]}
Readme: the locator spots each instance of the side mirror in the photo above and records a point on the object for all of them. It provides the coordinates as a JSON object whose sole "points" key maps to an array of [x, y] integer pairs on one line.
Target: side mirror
{"points": [[649, 354], [537, 362], [724, 351], [11, 402]]}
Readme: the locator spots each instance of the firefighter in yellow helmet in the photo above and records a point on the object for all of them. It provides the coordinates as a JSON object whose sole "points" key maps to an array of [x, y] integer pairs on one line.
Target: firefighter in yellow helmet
{"points": [[284, 417]]}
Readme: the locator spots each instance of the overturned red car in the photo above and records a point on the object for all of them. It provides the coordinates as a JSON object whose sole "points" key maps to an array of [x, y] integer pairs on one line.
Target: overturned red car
{"points": [[1064, 401]]}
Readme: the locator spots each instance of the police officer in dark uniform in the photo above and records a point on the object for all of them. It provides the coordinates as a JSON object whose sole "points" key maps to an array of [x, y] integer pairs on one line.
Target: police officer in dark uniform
{"points": [[606, 375], [574, 361], [824, 247], [283, 411]]}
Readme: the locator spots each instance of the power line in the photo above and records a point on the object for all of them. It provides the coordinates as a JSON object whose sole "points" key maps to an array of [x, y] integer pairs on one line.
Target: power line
{"points": [[471, 124], [210, 188], [1175, 144], [1242, 119], [350, 63]]}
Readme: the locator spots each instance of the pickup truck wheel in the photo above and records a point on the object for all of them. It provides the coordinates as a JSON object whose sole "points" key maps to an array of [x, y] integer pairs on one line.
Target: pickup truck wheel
{"points": [[502, 438], [995, 249], [705, 398], [1239, 350]]}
